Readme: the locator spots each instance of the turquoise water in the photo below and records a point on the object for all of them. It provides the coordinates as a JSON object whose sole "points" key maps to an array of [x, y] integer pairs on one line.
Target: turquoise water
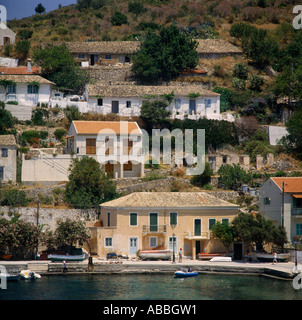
{"points": [[151, 287]]}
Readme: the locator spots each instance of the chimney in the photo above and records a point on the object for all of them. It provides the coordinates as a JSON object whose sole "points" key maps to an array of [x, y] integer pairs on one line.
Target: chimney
{"points": [[29, 65]]}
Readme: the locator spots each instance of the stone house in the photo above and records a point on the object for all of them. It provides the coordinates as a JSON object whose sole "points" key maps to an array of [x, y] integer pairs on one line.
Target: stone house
{"points": [[8, 158], [26, 89], [281, 201], [115, 144], [7, 36], [148, 220], [216, 48], [193, 102]]}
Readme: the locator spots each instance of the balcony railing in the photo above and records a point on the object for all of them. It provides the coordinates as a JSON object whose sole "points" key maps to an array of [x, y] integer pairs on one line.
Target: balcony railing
{"points": [[154, 228], [201, 235], [297, 211]]}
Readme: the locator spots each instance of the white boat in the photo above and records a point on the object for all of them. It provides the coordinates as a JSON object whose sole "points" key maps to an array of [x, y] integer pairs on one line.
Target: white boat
{"points": [[268, 257], [61, 257], [155, 254], [29, 275], [221, 259]]}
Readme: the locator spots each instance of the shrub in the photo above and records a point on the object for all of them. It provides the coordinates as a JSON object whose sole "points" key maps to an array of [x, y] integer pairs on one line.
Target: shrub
{"points": [[240, 71], [118, 19], [59, 134], [14, 198], [136, 7]]}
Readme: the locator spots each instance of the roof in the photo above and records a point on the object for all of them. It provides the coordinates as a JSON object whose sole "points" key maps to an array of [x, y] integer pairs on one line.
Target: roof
{"points": [[103, 90], [115, 47], [216, 46], [291, 184], [25, 78], [20, 70], [7, 140], [128, 47], [107, 127], [169, 200]]}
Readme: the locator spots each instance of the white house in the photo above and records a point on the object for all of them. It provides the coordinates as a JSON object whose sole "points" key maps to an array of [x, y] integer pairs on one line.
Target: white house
{"points": [[281, 201], [26, 89], [115, 144], [193, 102], [7, 36], [8, 158]]}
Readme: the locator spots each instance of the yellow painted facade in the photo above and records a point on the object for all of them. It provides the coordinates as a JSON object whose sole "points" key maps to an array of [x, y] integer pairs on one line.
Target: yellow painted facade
{"points": [[126, 230]]}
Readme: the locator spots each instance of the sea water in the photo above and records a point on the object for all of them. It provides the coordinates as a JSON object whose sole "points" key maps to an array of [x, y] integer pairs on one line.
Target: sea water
{"points": [[151, 287]]}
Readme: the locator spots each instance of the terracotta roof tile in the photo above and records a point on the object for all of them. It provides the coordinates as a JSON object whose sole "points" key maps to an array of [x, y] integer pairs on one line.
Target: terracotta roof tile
{"points": [[291, 184], [19, 70], [118, 127]]}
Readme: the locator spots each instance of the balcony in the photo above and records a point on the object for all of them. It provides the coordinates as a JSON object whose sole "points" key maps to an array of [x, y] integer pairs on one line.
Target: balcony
{"points": [[297, 211], [154, 229], [192, 236]]}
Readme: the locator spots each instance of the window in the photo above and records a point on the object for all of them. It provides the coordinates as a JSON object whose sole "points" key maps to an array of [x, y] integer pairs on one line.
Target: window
{"points": [[100, 102], [81, 56], [90, 146], [225, 220], [173, 218], [266, 200], [108, 219], [4, 153], [153, 242], [211, 223], [108, 242], [177, 104], [32, 89], [108, 56], [133, 219], [208, 103], [1, 173], [128, 104], [11, 89], [299, 229]]}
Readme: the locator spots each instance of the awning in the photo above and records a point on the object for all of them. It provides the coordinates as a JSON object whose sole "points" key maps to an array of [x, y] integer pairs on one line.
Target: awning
{"points": [[297, 195], [68, 137]]}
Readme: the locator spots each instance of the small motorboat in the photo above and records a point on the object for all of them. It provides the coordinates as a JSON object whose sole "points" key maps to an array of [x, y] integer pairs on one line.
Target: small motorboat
{"points": [[221, 259], [29, 275], [9, 277], [62, 257], [182, 273], [155, 254]]}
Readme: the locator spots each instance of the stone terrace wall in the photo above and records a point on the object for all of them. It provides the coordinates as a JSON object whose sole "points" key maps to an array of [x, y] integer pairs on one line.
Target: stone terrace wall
{"points": [[48, 216]]}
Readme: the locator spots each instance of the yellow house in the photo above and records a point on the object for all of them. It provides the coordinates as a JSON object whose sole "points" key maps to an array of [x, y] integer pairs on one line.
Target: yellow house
{"points": [[146, 220]]}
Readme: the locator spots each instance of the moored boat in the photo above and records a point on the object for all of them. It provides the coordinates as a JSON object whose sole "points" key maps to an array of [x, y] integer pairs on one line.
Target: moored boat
{"points": [[209, 256], [29, 275], [268, 257], [155, 254], [182, 273], [68, 258], [9, 277]]}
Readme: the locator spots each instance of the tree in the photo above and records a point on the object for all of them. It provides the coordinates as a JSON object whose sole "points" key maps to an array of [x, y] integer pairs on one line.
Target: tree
{"points": [[118, 19], [69, 231], [223, 232], [255, 82], [18, 237], [232, 176], [164, 55], [40, 8], [154, 113], [240, 71], [58, 66], [88, 186], [204, 178], [7, 120], [22, 49]]}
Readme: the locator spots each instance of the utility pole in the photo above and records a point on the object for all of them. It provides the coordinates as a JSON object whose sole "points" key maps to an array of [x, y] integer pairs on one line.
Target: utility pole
{"points": [[282, 209]]}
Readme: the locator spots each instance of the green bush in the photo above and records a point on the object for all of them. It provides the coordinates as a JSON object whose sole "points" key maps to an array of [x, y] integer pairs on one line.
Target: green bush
{"points": [[14, 198], [118, 19], [59, 134]]}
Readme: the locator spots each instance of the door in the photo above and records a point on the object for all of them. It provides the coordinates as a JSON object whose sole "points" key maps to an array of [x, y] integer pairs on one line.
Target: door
{"points": [[115, 107], [238, 251], [198, 248], [93, 59], [197, 227], [153, 221], [133, 246], [192, 106], [173, 243]]}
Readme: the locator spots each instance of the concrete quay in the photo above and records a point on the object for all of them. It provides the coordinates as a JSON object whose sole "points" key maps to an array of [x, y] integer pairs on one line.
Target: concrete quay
{"points": [[282, 270]]}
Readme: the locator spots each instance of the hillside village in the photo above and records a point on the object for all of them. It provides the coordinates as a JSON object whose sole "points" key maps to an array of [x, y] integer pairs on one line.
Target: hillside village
{"points": [[97, 106]]}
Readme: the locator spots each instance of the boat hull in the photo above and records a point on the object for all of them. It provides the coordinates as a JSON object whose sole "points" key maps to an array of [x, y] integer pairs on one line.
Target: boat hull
{"points": [[29, 275], [262, 257], [58, 257], [155, 255], [9, 277], [181, 274]]}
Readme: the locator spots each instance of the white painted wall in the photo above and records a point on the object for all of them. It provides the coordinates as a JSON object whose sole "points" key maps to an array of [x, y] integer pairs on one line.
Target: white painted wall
{"points": [[9, 163]]}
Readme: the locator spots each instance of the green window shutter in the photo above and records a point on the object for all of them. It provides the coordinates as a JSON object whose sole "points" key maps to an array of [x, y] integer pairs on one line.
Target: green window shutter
{"points": [[173, 218], [133, 219], [211, 223]]}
